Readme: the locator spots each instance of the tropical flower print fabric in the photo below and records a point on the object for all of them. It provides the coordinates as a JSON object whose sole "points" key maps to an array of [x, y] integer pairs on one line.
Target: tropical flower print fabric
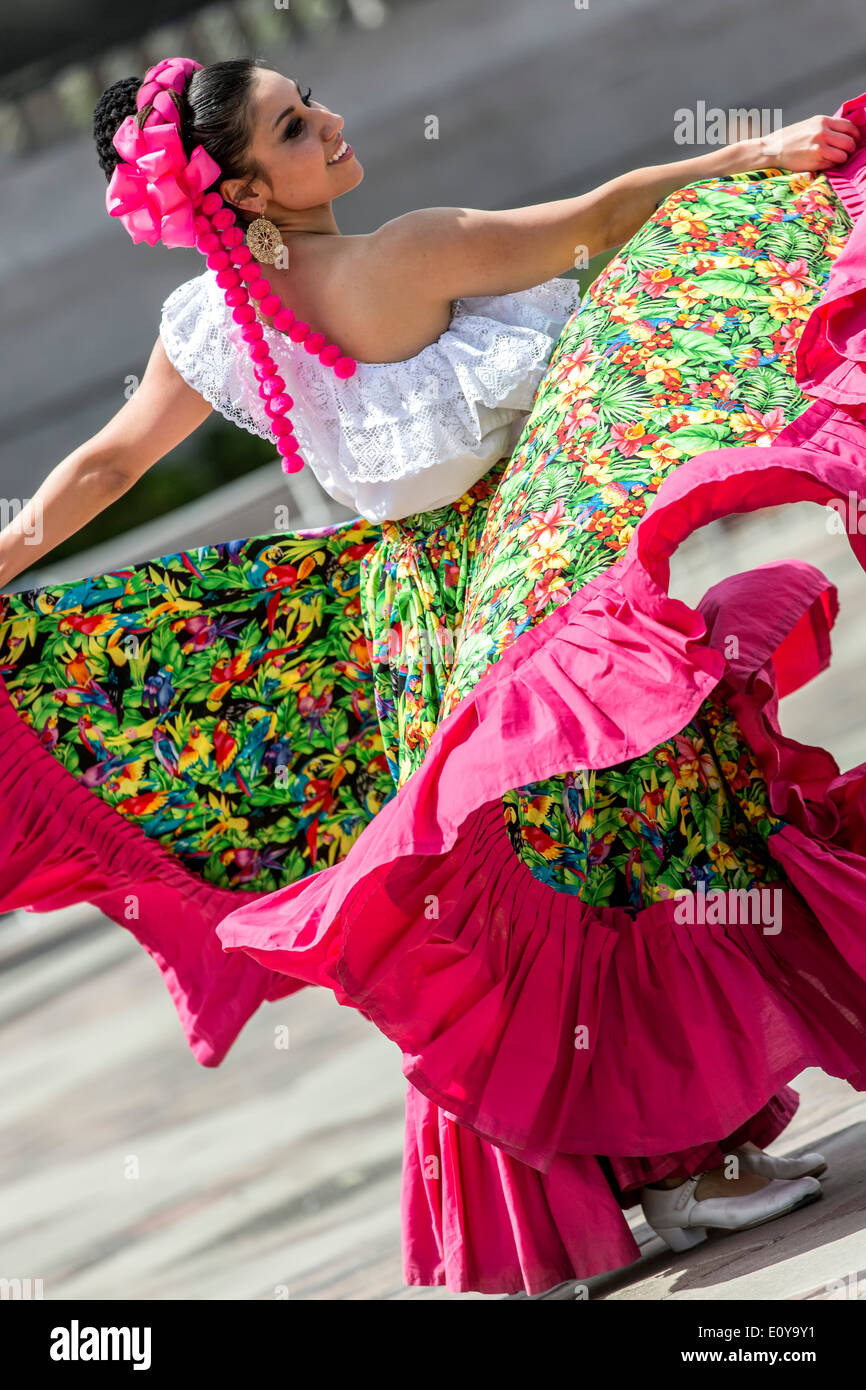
{"points": [[220, 699], [684, 343], [414, 589]]}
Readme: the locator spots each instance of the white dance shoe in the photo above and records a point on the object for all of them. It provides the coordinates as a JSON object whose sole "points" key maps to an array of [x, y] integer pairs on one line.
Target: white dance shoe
{"points": [[810, 1165], [675, 1214]]}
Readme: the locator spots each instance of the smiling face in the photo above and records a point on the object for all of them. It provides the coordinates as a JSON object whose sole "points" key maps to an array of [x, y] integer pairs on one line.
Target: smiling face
{"points": [[294, 141]]}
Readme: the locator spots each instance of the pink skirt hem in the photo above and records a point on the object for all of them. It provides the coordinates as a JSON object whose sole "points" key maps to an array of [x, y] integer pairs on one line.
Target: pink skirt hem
{"points": [[61, 844]]}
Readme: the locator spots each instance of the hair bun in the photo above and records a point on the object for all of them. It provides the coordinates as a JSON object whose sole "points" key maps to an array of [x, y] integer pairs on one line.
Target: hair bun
{"points": [[116, 103]]}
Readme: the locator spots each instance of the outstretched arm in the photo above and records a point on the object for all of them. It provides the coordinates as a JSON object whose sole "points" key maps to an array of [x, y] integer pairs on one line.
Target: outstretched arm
{"points": [[444, 253], [161, 413]]}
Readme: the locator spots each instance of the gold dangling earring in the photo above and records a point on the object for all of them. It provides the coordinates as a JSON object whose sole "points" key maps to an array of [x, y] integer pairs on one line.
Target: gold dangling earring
{"points": [[264, 241]]}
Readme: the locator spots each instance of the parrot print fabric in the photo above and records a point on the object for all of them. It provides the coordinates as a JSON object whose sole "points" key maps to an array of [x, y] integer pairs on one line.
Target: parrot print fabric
{"points": [[220, 699]]}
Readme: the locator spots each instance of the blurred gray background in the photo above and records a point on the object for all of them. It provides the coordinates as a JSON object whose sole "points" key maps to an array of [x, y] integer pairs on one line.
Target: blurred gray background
{"points": [[280, 1171]]}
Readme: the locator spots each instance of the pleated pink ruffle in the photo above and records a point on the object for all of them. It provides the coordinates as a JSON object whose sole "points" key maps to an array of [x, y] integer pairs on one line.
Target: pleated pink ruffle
{"points": [[474, 1218], [61, 844]]}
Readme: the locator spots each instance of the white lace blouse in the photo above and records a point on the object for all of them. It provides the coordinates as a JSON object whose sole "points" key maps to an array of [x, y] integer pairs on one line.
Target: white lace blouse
{"points": [[397, 437]]}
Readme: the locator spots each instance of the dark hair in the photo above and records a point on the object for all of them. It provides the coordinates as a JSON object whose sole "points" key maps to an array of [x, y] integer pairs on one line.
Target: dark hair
{"points": [[214, 110]]}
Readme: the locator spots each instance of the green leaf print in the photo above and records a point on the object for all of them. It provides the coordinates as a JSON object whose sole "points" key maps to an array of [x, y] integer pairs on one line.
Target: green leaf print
{"points": [[695, 439], [676, 872], [790, 241], [652, 247], [728, 205], [622, 399], [652, 308], [592, 319], [735, 285], [600, 886], [698, 343], [760, 387], [199, 693]]}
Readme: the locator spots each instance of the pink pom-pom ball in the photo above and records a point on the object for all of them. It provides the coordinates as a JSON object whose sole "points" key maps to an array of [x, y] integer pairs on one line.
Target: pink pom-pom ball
{"points": [[273, 386], [267, 367], [252, 332], [299, 331], [315, 342], [218, 260], [284, 320], [271, 304], [228, 279], [211, 203], [259, 288], [344, 367], [200, 224], [293, 464], [329, 354], [287, 445], [232, 236], [240, 255], [267, 396], [222, 219], [250, 271], [258, 351], [278, 405], [245, 313], [236, 296], [207, 243], [281, 426]]}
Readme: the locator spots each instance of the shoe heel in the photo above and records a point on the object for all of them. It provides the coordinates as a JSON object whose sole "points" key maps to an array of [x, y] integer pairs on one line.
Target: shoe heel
{"points": [[680, 1238]]}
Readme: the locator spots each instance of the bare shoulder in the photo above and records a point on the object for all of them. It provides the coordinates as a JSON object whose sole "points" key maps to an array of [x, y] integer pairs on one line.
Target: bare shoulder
{"points": [[430, 248], [369, 299], [455, 251], [425, 256]]}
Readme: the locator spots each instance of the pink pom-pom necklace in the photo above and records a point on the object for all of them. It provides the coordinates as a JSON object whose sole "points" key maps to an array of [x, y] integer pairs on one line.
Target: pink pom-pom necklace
{"points": [[221, 241], [159, 195]]}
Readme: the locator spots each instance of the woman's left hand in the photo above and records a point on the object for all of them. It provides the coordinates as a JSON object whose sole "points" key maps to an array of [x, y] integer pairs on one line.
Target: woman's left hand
{"points": [[819, 142]]}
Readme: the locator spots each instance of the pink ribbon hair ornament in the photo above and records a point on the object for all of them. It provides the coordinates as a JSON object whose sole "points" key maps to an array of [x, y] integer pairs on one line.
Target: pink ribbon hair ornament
{"points": [[156, 190]]}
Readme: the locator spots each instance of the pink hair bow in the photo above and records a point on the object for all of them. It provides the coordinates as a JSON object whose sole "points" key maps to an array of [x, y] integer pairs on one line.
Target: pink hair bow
{"points": [[156, 190]]}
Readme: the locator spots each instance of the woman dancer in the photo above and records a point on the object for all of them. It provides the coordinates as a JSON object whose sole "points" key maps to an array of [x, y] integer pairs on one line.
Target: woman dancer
{"points": [[185, 737]]}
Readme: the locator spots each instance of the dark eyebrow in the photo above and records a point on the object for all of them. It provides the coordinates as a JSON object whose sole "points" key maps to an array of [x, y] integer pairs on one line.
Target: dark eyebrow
{"points": [[289, 109]]}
